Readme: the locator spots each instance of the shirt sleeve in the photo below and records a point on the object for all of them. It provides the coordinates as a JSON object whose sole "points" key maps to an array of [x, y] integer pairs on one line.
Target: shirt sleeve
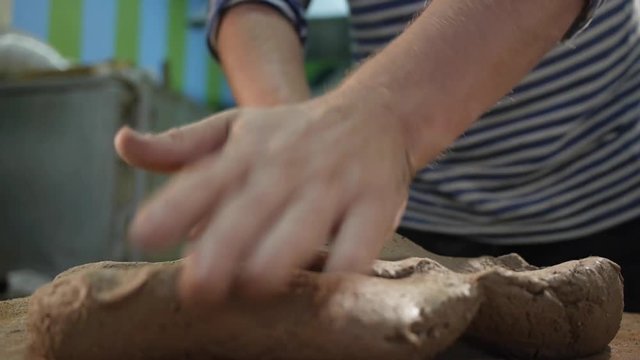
{"points": [[292, 10], [584, 19]]}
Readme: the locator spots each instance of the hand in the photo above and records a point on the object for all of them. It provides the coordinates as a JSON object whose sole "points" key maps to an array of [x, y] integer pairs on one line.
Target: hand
{"points": [[267, 187]]}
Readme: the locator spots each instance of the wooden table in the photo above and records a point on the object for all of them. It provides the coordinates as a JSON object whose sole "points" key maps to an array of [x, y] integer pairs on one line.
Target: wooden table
{"points": [[625, 346], [13, 338]]}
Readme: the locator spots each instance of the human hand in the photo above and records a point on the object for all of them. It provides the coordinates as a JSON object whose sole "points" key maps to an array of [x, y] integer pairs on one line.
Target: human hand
{"points": [[267, 187]]}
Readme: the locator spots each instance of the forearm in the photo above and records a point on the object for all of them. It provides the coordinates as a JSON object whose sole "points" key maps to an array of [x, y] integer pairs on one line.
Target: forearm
{"points": [[456, 61], [262, 56]]}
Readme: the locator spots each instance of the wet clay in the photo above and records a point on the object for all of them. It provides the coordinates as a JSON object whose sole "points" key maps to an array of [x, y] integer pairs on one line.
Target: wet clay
{"points": [[409, 309]]}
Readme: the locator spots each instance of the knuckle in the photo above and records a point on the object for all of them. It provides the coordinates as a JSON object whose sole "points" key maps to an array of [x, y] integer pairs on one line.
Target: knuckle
{"points": [[253, 275], [319, 190], [176, 135], [263, 195]]}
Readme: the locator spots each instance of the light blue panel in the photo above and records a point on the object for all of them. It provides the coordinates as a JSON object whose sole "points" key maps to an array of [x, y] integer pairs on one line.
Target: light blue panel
{"points": [[98, 30], [195, 81], [153, 35], [32, 16]]}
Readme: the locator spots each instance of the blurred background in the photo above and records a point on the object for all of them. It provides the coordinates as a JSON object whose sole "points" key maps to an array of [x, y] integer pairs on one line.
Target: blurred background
{"points": [[74, 71]]}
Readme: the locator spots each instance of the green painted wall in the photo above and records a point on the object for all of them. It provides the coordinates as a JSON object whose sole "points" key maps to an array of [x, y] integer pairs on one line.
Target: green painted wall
{"points": [[65, 27], [127, 36], [177, 32]]}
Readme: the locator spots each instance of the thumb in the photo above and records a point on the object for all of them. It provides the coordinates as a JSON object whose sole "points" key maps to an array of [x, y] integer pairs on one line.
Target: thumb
{"points": [[170, 150]]}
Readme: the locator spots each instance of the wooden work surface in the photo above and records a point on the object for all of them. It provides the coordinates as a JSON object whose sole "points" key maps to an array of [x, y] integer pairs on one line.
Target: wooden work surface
{"points": [[13, 338]]}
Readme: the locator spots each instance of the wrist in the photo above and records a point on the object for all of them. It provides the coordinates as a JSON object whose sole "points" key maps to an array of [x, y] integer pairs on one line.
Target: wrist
{"points": [[378, 123], [425, 133]]}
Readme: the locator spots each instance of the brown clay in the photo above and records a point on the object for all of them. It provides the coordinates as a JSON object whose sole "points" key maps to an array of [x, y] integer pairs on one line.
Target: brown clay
{"points": [[409, 309], [13, 335], [114, 311], [565, 311]]}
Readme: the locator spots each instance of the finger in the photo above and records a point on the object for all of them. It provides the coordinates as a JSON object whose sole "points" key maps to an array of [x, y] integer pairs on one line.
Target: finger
{"points": [[362, 235], [293, 242], [200, 226], [187, 198], [231, 235], [197, 230], [170, 150]]}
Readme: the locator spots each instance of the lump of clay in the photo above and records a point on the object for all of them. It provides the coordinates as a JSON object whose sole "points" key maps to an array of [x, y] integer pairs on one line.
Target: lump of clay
{"points": [[569, 310], [409, 309], [124, 311]]}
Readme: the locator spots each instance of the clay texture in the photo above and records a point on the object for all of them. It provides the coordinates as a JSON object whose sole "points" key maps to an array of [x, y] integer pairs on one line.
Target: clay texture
{"points": [[111, 311], [569, 310], [409, 309], [13, 335]]}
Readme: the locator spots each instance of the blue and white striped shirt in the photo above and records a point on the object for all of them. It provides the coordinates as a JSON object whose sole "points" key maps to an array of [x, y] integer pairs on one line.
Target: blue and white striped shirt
{"points": [[557, 158]]}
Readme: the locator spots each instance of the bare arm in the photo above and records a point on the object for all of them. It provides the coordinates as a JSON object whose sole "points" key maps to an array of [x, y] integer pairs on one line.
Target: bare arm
{"points": [[457, 60], [261, 56]]}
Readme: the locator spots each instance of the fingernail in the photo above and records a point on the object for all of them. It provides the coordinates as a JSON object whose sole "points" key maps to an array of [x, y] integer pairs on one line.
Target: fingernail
{"points": [[136, 133], [136, 226], [139, 231], [130, 131], [135, 234], [199, 263], [187, 285]]}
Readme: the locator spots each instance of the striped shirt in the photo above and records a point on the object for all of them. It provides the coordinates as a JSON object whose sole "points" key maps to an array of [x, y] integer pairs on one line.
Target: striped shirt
{"points": [[557, 158]]}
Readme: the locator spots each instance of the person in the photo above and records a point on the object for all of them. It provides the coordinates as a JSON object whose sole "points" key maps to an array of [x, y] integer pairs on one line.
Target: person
{"points": [[482, 127]]}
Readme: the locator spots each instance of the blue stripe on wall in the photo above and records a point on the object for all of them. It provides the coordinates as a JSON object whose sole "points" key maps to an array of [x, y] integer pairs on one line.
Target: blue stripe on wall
{"points": [[153, 35], [32, 16], [195, 81], [98, 30]]}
